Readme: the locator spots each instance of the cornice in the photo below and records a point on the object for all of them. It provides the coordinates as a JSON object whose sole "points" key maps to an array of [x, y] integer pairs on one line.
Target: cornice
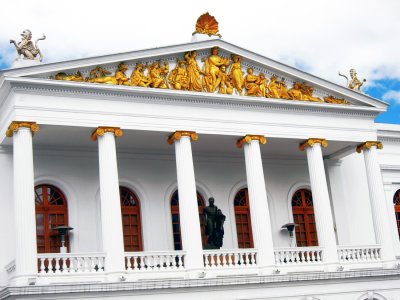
{"points": [[146, 95]]}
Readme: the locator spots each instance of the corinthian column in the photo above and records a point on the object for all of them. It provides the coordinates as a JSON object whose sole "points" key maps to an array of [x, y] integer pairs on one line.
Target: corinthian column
{"points": [[188, 208], [377, 199], [24, 202], [111, 221], [322, 207], [259, 211]]}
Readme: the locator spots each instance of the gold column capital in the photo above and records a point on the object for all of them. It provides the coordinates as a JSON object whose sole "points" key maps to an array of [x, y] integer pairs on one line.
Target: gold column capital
{"points": [[176, 136], [368, 145], [15, 125], [248, 138], [312, 141], [101, 130]]}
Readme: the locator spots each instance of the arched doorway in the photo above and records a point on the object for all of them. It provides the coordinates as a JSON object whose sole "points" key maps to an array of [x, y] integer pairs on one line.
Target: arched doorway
{"points": [[303, 215], [131, 221], [396, 202], [51, 211], [176, 225], [242, 218]]}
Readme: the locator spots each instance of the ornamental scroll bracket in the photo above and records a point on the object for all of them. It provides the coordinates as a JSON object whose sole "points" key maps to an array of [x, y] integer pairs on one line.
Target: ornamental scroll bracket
{"points": [[100, 131], [248, 138], [15, 125], [176, 136], [312, 141], [368, 145]]}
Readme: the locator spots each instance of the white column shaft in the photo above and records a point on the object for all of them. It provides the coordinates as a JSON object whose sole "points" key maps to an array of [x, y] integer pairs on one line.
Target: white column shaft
{"points": [[24, 205], [111, 221], [378, 205], [188, 208], [322, 208], [259, 211]]}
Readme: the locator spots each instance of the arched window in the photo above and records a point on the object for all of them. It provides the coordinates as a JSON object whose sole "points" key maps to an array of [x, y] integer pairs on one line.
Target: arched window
{"points": [[303, 215], [51, 211], [396, 202], [131, 222], [243, 220], [176, 224]]}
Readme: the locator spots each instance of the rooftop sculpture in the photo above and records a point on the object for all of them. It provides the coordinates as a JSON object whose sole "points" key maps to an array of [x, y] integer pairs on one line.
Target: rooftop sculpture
{"points": [[26, 48], [207, 24], [354, 83]]}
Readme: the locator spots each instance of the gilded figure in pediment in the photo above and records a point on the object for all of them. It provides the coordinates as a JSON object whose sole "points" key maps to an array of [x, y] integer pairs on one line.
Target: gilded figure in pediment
{"points": [[138, 78], [69, 77], [211, 68], [273, 88], [193, 71], [295, 92], [225, 86], [120, 75], [251, 83], [262, 83], [99, 75], [283, 90], [157, 75], [236, 74], [333, 100], [178, 77], [307, 92]]}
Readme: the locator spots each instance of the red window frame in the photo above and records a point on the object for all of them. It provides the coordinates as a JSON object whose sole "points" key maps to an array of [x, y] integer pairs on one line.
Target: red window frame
{"points": [[243, 219], [396, 202], [51, 210], [303, 215], [176, 224], [131, 220]]}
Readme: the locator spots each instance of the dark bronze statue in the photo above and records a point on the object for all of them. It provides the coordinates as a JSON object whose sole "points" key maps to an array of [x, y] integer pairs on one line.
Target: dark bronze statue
{"points": [[213, 219]]}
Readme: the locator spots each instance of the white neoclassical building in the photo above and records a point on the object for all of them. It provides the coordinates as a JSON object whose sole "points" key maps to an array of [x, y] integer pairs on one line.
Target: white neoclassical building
{"points": [[127, 154]]}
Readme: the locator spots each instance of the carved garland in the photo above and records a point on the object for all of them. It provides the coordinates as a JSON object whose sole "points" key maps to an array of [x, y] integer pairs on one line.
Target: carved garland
{"points": [[176, 136], [312, 141], [248, 138], [100, 131], [15, 125], [368, 145]]}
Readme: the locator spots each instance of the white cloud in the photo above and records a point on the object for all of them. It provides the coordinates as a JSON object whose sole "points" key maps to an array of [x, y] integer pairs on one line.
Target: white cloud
{"points": [[323, 36], [392, 96]]}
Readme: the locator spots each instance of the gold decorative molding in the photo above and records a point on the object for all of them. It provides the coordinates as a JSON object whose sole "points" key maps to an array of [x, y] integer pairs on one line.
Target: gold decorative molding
{"points": [[311, 141], [15, 125], [178, 134], [248, 138], [368, 145], [100, 131]]}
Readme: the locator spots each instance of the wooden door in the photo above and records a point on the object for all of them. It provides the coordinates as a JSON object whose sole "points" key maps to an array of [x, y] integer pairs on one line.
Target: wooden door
{"points": [[131, 220], [243, 220]]}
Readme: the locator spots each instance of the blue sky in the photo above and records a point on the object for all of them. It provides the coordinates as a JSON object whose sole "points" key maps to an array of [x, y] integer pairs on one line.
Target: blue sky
{"points": [[322, 37]]}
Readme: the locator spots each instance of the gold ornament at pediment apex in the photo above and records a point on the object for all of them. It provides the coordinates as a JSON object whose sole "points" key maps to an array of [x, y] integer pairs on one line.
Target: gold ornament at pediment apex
{"points": [[207, 24], [248, 138], [16, 125], [177, 135], [368, 145], [101, 130], [312, 141]]}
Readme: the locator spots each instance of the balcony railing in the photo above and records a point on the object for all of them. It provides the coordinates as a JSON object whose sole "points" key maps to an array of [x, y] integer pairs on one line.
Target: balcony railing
{"points": [[154, 261], [356, 254], [63, 263], [236, 258], [298, 256]]}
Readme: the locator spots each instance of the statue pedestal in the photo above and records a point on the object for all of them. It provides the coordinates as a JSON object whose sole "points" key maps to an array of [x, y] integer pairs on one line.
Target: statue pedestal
{"points": [[198, 37], [22, 63]]}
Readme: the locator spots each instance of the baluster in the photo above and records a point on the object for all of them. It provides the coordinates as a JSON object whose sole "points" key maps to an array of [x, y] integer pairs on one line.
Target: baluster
{"points": [[317, 256], [128, 263], [236, 259], [180, 261], [167, 262], [135, 264], [56, 265], [41, 266]]}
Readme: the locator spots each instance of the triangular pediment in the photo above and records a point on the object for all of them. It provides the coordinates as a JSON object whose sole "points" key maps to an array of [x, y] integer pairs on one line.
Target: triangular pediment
{"points": [[220, 74]]}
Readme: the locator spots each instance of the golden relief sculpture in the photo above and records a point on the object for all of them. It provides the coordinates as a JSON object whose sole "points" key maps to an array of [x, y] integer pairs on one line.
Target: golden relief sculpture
{"points": [[354, 83], [218, 74], [207, 24]]}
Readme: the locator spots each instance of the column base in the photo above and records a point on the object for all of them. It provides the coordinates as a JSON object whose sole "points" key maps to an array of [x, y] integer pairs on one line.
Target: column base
{"points": [[196, 273], [268, 270], [333, 267], [116, 277], [24, 280]]}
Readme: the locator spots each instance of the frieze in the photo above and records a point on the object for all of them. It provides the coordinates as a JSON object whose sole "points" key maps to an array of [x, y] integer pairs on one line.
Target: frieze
{"points": [[218, 73]]}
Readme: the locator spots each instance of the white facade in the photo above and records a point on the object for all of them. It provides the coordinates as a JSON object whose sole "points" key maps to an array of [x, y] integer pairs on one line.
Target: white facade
{"points": [[353, 192]]}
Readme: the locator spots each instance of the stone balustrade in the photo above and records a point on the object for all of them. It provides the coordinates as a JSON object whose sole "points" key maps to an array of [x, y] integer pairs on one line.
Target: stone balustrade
{"points": [[298, 255], [355, 254], [67, 263], [154, 261], [235, 258]]}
